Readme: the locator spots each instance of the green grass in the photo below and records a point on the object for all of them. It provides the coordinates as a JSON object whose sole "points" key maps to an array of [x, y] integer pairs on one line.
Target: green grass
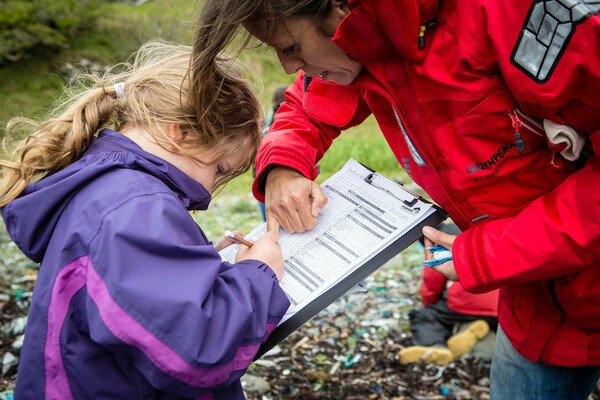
{"points": [[366, 144], [30, 87]]}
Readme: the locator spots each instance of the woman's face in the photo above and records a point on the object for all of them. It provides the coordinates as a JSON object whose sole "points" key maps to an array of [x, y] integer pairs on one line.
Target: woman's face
{"points": [[300, 45]]}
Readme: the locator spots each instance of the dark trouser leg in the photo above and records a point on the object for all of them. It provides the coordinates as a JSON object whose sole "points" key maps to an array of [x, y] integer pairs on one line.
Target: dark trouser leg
{"points": [[432, 325]]}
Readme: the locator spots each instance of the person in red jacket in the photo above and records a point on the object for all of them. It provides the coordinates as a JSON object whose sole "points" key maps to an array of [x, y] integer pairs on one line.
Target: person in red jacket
{"points": [[446, 305], [488, 106]]}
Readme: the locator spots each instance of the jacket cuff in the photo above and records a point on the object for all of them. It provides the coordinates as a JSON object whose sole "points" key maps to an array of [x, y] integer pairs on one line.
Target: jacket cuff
{"points": [[467, 261]]}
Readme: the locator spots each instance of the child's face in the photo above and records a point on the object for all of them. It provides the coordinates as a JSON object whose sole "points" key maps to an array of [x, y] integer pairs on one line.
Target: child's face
{"points": [[207, 175]]}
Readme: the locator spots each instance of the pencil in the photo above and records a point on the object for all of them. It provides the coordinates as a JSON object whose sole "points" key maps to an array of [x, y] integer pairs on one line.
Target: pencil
{"points": [[239, 238]]}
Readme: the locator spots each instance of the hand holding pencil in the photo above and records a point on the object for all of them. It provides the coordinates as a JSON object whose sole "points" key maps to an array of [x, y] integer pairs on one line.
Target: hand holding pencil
{"points": [[237, 237], [265, 249]]}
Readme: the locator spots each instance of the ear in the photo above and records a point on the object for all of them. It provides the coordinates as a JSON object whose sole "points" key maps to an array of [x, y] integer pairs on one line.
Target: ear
{"points": [[339, 10], [340, 7], [175, 132]]}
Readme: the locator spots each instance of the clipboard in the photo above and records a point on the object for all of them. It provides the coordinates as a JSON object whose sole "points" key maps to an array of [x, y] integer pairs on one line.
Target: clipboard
{"points": [[359, 197]]}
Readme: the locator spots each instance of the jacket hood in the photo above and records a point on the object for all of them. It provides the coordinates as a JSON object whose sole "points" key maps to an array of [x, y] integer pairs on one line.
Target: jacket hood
{"points": [[31, 218], [371, 26]]}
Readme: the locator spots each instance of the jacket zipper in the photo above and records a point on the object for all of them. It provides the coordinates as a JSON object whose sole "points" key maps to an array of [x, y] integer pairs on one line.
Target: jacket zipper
{"points": [[518, 120], [517, 124], [530, 124], [419, 160]]}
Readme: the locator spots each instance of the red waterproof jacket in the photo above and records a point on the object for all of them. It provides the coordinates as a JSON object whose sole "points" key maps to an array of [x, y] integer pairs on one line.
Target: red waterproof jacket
{"points": [[458, 300], [462, 115]]}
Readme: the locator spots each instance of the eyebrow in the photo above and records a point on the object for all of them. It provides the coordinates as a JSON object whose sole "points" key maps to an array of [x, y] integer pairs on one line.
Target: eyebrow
{"points": [[280, 45]]}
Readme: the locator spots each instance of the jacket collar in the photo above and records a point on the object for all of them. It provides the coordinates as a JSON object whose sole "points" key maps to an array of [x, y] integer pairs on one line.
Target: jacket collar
{"points": [[191, 193], [373, 29]]}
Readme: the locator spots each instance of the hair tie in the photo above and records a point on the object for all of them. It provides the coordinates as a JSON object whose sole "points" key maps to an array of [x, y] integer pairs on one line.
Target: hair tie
{"points": [[119, 90]]}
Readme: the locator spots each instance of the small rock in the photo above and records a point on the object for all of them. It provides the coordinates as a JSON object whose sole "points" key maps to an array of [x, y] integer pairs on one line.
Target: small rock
{"points": [[255, 384], [8, 361]]}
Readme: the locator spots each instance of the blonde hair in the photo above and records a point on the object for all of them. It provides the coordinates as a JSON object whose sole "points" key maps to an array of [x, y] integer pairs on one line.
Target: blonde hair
{"points": [[152, 89]]}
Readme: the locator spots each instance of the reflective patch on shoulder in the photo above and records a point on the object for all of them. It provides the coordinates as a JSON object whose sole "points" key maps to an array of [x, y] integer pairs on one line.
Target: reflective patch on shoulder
{"points": [[546, 34]]}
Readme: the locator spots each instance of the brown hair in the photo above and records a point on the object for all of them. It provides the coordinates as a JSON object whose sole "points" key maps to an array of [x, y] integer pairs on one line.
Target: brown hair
{"points": [[220, 21], [156, 86]]}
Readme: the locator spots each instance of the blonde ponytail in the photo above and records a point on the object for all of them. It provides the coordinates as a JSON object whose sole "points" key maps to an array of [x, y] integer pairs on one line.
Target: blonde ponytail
{"points": [[150, 90], [53, 144]]}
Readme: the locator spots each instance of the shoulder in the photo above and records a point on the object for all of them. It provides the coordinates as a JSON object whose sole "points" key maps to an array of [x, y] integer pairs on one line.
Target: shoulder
{"points": [[120, 184], [123, 191], [131, 206]]}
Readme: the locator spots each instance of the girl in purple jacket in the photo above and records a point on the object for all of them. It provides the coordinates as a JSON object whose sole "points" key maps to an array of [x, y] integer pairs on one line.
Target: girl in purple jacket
{"points": [[132, 301]]}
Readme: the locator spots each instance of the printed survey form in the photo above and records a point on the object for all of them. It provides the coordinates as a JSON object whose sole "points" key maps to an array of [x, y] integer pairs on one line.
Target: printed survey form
{"points": [[366, 212]]}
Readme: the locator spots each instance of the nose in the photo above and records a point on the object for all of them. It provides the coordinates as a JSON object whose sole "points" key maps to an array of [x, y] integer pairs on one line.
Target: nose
{"points": [[290, 64]]}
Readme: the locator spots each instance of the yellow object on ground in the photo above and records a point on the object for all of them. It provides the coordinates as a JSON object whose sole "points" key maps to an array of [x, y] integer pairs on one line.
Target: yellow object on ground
{"points": [[464, 341]]}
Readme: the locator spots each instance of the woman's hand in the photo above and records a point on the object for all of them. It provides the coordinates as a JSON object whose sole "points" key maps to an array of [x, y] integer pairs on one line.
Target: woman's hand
{"points": [[265, 249], [433, 236], [292, 201]]}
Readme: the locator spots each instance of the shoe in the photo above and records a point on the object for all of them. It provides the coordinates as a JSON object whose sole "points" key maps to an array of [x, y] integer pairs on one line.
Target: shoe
{"points": [[464, 341], [433, 354]]}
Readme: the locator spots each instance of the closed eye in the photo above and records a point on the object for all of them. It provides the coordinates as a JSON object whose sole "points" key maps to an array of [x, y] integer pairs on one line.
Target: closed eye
{"points": [[289, 50], [221, 171]]}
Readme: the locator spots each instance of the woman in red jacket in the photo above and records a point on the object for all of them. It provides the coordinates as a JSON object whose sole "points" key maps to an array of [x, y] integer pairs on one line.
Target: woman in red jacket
{"points": [[486, 104]]}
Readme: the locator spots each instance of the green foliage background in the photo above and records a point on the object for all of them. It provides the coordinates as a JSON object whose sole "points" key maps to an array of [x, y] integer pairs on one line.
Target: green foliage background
{"points": [[40, 26], [110, 33]]}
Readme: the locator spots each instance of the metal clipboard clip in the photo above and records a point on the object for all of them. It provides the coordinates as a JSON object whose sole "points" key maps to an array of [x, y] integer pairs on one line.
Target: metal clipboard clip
{"points": [[410, 203]]}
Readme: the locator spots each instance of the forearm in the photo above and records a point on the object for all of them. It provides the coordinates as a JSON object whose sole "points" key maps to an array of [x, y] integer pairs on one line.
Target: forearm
{"points": [[555, 235]]}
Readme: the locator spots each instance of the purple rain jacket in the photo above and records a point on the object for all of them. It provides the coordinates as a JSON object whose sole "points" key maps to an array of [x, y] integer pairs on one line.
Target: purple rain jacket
{"points": [[132, 301]]}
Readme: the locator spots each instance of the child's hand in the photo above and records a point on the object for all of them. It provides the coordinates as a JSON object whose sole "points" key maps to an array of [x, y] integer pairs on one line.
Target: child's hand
{"points": [[225, 241], [267, 250], [433, 237]]}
